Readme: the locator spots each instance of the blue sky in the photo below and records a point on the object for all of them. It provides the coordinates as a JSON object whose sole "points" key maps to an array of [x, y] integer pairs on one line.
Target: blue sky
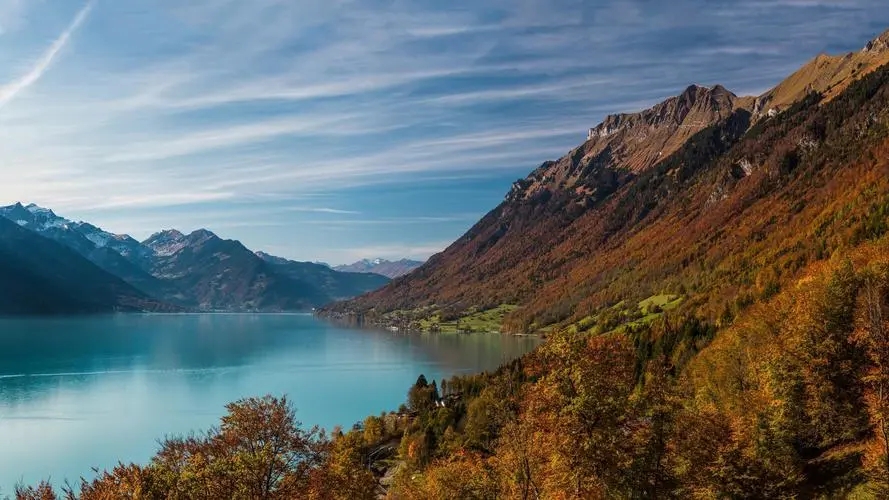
{"points": [[336, 130]]}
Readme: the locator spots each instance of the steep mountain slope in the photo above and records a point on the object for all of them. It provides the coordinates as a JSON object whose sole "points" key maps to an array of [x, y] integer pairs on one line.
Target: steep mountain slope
{"points": [[216, 274], [725, 220], [271, 259], [626, 144], [41, 276], [505, 256], [44, 221], [828, 75], [384, 267], [119, 255], [336, 284]]}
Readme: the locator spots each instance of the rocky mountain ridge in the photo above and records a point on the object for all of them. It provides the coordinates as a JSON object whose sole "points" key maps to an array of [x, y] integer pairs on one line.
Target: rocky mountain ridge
{"points": [[197, 271], [615, 220], [825, 74], [624, 145]]}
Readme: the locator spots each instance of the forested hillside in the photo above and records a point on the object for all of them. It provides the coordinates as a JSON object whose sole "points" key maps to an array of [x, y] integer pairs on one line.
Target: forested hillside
{"points": [[733, 214], [788, 402]]}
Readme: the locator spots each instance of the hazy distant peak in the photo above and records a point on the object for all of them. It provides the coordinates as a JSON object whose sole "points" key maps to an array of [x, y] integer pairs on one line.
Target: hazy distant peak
{"points": [[272, 259], [381, 266]]}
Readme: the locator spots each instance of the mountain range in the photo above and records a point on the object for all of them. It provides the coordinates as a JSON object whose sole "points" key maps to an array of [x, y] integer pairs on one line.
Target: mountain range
{"points": [[81, 268], [709, 198], [388, 268], [648, 201], [41, 276]]}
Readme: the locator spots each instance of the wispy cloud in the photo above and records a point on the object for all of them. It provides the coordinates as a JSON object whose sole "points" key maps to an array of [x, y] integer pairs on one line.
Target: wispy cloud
{"points": [[219, 138], [396, 221], [42, 64], [324, 210]]}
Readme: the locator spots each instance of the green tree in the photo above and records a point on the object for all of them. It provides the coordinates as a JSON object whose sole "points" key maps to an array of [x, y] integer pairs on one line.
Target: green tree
{"points": [[831, 362]]}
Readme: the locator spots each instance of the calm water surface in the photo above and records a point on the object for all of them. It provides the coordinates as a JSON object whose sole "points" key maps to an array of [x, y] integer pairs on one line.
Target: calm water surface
{"points": [[82, 392]]}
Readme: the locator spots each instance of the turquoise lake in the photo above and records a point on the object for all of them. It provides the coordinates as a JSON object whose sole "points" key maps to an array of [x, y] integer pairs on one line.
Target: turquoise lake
{"points": [[77, 393]]}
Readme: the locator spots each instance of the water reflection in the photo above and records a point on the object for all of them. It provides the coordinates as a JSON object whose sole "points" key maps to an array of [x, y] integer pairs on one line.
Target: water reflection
{"points": [[83, 392]]}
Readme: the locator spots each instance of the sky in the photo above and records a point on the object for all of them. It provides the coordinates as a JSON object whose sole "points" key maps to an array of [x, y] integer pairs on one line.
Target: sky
{"points": [[336, 130]]}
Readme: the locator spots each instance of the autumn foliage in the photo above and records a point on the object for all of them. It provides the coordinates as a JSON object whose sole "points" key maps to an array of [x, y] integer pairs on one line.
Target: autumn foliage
{"points": [[787, 402], [734, 214], [771, 380]]}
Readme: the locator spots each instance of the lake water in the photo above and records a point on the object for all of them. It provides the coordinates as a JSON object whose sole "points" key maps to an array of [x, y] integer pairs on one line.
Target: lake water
{"points": [[82, 392]]}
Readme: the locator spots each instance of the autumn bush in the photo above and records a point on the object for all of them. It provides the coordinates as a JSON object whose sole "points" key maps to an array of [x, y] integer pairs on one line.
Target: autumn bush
{"points": [[259, 451]]}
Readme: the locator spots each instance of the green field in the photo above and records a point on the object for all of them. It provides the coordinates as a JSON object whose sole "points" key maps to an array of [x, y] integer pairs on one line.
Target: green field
{"points": [[615, 318], [622, 315], [429, 319]]}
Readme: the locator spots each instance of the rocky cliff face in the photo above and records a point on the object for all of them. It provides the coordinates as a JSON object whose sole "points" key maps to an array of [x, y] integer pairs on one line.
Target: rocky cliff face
{"points": [[557, 217], [631, 143]]}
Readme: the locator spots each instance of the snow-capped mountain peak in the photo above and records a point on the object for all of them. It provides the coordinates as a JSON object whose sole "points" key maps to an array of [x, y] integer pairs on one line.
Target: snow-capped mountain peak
{"points": [[46, 223], [381, 266], [38, 210], [171, 241], [166, 243], [33, 217]]}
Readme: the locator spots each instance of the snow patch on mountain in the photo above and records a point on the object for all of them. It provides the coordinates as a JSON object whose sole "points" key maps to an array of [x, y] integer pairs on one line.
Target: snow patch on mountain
{"points": [[384, 267], [45, 222], [166, 243]]}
